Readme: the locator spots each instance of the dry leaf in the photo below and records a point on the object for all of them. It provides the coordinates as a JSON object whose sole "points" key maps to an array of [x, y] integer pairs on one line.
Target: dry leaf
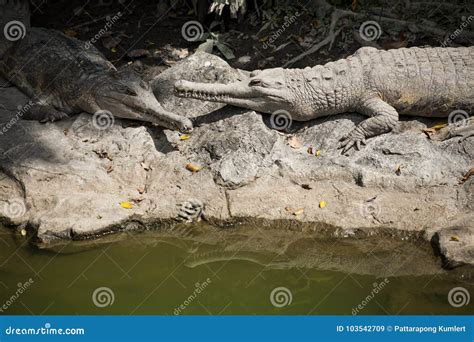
{"points": [[193, 167], [70, 33], [455, 238], [398, 170], [322, 204], [294, 142], [139, 53], [298, 212], [318, 153], [126, 205], [467, 175], [184, 137]]}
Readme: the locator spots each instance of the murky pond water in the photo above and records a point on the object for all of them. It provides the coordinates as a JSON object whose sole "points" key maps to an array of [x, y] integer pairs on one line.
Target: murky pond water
{"points": [[247, 270]]}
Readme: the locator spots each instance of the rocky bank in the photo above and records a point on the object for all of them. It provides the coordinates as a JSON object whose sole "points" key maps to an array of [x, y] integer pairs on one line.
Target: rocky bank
{"points": [[67, 180]]}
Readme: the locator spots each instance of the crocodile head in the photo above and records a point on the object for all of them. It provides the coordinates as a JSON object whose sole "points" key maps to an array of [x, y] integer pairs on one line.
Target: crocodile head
{"points": [[265, 91], [127, 95]]}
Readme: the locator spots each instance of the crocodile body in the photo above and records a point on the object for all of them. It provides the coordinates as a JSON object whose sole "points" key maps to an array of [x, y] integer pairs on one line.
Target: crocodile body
{"points": [[63, 76], [430, 82]]}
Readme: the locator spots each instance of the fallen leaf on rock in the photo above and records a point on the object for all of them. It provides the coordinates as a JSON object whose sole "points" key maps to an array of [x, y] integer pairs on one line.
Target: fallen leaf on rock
{"points": [[439, 126], [111, 42], [298, 212], [193, 167], [139, 53], [126, 205], [455, 238], [467, 175], [184, 137], [294, 142], [318, 153], [145, 166], [322, 204], [398, 170], [70, 33]]}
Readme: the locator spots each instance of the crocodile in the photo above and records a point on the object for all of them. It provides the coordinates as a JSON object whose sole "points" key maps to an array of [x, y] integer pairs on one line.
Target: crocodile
{"points": [[381, 84], [64, 76]]}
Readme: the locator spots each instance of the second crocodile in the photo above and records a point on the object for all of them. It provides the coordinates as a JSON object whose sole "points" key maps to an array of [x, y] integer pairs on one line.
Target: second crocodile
{"points": [[430, 82]]}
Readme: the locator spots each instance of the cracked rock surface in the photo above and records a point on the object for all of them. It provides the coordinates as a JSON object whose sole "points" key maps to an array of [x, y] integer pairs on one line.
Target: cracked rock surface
{"points": [[68, 179]]}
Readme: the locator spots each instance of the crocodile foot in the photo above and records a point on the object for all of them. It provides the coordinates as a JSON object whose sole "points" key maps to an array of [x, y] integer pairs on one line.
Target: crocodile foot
{"points": [[351, 140], [44, 113], [190, 211]]}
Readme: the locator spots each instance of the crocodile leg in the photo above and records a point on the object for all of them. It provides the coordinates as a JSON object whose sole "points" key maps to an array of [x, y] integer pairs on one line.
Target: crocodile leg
{"points": [[382, 118], [44, 113]]}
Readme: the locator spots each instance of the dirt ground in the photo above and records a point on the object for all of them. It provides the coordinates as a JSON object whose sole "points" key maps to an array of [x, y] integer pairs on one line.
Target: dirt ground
{"points": [[150, 30]]}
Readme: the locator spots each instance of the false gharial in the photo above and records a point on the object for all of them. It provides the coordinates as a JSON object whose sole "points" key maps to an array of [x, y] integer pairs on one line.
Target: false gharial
{"points": [[63, 75], [381, 84]]}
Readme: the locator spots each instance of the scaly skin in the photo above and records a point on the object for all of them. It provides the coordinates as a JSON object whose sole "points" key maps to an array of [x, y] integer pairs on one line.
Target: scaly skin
{"points": [[429, 82], [65, 76]]}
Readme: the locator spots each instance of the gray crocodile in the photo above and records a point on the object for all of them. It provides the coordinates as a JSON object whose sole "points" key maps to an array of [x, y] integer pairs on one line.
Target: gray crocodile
{"points": [[63, 76], [430, 82]]}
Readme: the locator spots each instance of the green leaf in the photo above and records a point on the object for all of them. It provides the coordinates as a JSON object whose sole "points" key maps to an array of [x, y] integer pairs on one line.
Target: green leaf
{"points": [[207, 46], [225, 50]]}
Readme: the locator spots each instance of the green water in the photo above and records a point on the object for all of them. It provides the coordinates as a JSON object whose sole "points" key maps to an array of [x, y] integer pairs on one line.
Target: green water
{"points": [[226, 272]]}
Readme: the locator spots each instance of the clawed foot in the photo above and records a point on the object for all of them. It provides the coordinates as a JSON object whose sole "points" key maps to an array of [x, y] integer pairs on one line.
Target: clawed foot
{"points": [[191, 211], [349, 141], [53, 116]]}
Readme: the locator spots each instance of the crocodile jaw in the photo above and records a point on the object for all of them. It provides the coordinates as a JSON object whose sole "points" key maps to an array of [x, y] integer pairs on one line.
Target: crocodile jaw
{"points": [[237, 94]]}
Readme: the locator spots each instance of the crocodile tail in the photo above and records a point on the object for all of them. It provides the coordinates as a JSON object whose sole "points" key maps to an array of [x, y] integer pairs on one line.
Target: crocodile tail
{"points": [[14, 22]]}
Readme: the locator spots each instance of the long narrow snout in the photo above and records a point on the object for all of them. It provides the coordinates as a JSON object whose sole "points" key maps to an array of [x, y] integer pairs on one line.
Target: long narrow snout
{"points": [[212, 91]]}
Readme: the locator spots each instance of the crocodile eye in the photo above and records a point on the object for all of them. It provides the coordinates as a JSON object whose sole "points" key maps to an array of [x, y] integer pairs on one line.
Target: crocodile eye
{"points": [[130, 92]]}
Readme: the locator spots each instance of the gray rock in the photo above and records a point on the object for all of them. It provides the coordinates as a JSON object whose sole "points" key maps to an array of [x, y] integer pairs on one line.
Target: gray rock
{"points": [[67, 179]]}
